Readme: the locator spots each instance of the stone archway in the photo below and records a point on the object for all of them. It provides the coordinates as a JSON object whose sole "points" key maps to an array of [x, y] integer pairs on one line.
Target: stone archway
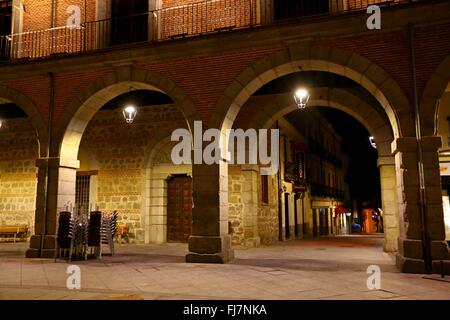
{"points": [[315, 58], [378, 126], [20, 173], [64, 163], [299, 57], [10, 95], [435, 121]]}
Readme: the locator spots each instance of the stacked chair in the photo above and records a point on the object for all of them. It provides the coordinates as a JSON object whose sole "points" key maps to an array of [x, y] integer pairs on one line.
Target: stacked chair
{"points": [[77, 234], [94, 235], [109, 226], [63, 239], [78, 237]]}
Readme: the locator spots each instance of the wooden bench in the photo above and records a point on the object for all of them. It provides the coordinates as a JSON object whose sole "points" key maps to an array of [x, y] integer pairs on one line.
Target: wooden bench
{"points": [[16, 232], [122, 232]]}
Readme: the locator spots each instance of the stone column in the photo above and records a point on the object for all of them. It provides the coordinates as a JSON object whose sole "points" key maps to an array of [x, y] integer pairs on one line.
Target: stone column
{"points": [[250, 201], [55, 189], [410, 256], [156, 228], [389, 203], [210, 241]]}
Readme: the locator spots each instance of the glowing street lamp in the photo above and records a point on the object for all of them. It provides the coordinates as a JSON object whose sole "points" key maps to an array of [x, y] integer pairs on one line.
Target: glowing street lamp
{"points": [[372, 142], [129, 113], [301, 98]]}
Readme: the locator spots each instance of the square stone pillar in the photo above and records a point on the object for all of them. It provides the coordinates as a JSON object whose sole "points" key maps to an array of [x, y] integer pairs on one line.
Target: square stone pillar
{"points": [[55, 188], [410, 256], [389, 203], [210, 241]]}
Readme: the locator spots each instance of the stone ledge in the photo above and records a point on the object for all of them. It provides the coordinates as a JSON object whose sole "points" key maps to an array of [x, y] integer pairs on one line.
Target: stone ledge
{"points": [[408, 265], [441, 267], [219, 258]]}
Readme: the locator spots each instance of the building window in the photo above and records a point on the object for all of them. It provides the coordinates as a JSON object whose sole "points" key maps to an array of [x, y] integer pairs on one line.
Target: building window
{"points": [[289, 9], [265, 189], [82, 191]]}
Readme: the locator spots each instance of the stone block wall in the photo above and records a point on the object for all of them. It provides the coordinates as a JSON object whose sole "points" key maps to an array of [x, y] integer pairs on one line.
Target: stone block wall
{"points": [[240, 208], [268, 213], [18, 154], [235, 204]]}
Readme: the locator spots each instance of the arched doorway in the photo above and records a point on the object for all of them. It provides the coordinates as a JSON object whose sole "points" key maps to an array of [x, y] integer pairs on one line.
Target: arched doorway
{"points": [[273, 105], [113, 153]]}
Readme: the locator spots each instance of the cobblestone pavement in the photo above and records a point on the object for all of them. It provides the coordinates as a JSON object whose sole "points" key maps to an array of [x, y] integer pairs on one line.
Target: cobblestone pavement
{"points": [[334, 268]]}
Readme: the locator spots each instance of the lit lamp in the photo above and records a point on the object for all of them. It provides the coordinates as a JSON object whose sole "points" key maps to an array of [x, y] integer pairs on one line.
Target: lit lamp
{"points": [[1, 123], [372, 142], [301, 98], [129, 113]]}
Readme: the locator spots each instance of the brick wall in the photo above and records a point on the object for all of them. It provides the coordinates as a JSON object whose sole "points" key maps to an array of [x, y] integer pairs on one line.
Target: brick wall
{"points": [[18, 153]]}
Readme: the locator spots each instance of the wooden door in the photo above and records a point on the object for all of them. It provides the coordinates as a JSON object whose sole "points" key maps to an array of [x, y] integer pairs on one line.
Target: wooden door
{"points": [[179, 208]]}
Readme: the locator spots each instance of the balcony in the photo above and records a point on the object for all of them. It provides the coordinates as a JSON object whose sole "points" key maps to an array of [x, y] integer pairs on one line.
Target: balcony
{"points": [[192, 20]]}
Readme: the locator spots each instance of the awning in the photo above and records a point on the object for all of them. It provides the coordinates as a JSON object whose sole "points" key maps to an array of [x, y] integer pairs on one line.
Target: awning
{"points": [[341, 210]]}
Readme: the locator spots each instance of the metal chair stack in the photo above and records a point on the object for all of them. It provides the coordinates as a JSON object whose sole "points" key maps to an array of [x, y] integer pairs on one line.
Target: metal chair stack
{"points": [[94, 234], [109, 225], [63, 238], [79, 236]]}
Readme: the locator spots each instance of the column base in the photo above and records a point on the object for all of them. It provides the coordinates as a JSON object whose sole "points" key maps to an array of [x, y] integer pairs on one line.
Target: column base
{"points": [[252, 242], [210, 249], [410, 265], [409, 258], [36, 250]]}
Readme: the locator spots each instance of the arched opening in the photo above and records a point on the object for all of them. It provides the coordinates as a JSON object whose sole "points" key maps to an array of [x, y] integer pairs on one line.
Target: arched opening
{"points": [[126, 167], [327, 164], [101, 160], [376, 82]]}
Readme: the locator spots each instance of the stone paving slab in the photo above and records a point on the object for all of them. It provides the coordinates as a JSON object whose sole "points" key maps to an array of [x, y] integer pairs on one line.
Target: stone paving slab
{"points": [[331, 268]]}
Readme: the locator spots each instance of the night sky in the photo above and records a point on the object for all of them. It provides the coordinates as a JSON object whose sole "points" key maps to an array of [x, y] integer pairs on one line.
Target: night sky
{"points": [[363, 172]]}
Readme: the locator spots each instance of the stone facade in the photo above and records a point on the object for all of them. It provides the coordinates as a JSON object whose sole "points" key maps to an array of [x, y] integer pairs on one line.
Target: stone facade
{"points": [[18, 154], [120, 155]]}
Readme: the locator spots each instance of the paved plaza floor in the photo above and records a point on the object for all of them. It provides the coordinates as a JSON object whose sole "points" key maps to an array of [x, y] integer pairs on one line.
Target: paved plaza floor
{"points": [[331, 268]]}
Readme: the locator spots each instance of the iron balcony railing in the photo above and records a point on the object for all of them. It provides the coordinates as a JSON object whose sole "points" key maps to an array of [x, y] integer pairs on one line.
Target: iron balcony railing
{"points": [[194, 19]]}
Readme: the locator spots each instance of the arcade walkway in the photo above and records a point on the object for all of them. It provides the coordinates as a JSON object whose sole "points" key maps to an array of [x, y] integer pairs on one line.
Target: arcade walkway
{"points": [[319, 269]]}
